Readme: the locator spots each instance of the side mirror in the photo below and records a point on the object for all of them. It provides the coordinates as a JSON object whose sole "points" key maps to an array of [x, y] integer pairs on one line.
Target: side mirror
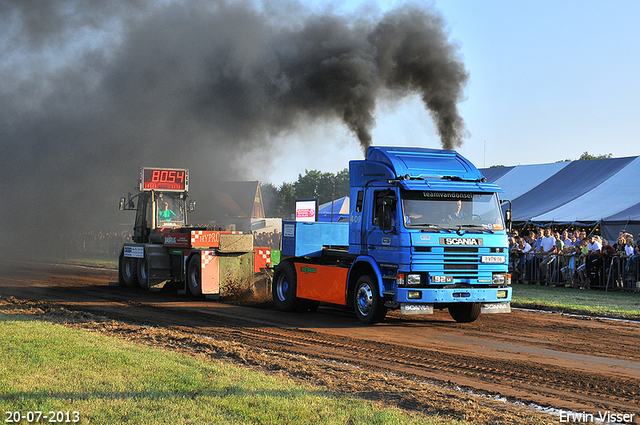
{"points": [[123, 201], [191, 207], [507, 219], [388, 204]]}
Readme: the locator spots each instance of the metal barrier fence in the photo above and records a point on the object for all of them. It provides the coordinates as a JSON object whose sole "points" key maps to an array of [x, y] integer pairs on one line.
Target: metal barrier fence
{"points": [[593, 271]]}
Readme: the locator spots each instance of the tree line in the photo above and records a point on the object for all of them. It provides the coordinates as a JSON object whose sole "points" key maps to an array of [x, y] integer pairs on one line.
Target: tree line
{"points": [[279, 201]]}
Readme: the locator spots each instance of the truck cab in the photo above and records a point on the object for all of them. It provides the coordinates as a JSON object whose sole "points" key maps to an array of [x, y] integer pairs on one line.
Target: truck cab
{"points": [[425, 231], [434, 226]]}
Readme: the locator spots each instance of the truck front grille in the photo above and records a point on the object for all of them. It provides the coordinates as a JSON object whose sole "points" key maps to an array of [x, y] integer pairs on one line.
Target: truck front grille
{"points": [[461, 262]]}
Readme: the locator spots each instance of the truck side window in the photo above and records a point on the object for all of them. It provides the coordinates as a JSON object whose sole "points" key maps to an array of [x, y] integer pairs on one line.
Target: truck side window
{"points": [[360, 201], [384, 208]]}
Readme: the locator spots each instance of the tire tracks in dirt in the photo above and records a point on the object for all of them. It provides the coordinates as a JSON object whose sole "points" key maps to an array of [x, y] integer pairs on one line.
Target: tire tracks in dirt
{"points": [[548, 360]]}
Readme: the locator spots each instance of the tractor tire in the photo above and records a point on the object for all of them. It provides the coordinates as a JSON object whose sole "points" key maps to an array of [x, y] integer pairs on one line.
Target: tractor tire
{"points": [[367, 302], [129, 271], [143, 272], [465, 312]]}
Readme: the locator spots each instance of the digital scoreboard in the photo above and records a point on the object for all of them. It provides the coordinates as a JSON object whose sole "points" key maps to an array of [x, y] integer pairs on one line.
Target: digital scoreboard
{"points": [[164, 179]]}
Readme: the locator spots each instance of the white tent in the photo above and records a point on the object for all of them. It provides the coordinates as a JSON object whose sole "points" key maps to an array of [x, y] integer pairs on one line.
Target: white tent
{"points": [[601, 192]]}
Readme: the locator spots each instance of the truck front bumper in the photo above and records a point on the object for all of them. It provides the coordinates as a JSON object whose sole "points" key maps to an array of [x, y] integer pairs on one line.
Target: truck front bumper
{"points": [[452, 295]]}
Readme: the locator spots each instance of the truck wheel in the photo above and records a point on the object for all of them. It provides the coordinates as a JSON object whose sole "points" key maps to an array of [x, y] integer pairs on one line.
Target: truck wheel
{"points": [[284, 286], [465, 312], [129, 271], [367, 302], [194, 277], [143, 273]]}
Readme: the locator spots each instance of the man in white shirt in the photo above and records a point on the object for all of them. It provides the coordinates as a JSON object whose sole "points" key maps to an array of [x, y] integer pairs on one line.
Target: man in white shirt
{"points": [[595, 246], [547, 248]]}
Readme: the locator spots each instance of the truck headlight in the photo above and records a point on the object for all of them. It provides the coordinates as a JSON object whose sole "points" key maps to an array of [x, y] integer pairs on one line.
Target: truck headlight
{"points": [[413, 280], [501, 279]]}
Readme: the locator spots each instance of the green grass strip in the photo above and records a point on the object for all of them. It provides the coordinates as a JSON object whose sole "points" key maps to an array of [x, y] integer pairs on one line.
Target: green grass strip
{"points": [[49, 368], [623, 305]]}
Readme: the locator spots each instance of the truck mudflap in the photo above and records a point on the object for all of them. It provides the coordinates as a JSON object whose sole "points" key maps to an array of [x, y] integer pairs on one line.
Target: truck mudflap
{"points": [[495, 308], [486, 308], [407, 308]]}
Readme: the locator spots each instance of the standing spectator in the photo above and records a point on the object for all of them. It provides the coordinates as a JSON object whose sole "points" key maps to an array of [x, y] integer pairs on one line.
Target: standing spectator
{"points": [[595, 245], [547, 248], [582, 267], [514, 258], [529, 255], [569, 254]]}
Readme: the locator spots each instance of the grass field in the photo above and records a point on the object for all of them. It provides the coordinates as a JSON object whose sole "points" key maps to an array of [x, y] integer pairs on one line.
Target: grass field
{"points": [[623, 305], [49, 368]]}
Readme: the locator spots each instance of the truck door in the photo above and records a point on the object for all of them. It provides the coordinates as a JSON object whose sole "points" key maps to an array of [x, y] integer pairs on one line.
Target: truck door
{"points": [[382, 236]]}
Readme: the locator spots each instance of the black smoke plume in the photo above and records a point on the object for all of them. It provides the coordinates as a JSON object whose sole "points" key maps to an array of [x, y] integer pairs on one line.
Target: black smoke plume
{"points": [[90, 90]]}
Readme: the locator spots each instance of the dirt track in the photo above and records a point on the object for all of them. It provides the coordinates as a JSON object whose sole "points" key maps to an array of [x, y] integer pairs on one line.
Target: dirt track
{"points": [[572, 363]]}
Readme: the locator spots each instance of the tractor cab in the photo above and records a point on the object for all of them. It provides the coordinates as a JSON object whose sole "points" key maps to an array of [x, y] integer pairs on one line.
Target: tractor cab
{"points": [[161, 204]]}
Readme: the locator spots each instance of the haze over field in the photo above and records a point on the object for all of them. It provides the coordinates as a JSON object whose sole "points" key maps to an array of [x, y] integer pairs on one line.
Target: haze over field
{"points": [[92, 90]]}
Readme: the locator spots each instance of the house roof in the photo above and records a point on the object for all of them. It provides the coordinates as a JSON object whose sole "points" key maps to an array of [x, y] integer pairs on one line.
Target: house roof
{"points": [[237, 199]]}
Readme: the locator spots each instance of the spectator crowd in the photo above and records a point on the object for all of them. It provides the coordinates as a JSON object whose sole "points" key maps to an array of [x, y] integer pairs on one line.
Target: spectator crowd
{"points": [[574, 258], [270, 239]]}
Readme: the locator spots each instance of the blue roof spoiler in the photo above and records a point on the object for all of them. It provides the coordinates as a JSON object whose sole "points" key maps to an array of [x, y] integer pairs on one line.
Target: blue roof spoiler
{"points": [[424, 163]]}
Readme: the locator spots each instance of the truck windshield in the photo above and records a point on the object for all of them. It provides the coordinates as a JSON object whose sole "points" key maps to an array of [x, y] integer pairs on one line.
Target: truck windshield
{"points": [[170, 210], [452, 210]]}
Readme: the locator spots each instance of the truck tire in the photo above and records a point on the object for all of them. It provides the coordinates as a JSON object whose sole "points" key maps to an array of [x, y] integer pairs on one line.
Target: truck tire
{"points": [[129, 271], [143, 272], [465, 312], [367, 302], [194, 276], [284, 286]]}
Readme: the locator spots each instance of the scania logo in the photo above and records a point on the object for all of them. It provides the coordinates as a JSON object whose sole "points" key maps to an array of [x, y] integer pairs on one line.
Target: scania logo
{"points": [[460, 241]]}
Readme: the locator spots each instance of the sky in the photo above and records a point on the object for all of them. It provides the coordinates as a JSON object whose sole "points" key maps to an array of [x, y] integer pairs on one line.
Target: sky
{"points": [[548, 81], [91, 90]]}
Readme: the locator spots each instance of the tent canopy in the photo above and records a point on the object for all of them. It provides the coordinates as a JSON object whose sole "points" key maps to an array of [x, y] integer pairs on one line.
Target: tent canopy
{"points": [[588, 192]]}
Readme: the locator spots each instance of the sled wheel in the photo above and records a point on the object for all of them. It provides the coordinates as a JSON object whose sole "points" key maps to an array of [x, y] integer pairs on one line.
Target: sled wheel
{"points": [[194, 277]]}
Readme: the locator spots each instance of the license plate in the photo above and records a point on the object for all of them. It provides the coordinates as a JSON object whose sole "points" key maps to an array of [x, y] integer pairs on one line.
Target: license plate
{"points": [[133, 251], [495, 259]]}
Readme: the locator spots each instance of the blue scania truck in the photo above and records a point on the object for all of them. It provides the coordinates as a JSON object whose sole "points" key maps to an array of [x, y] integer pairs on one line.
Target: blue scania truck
{"points": [[425, 231]]}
